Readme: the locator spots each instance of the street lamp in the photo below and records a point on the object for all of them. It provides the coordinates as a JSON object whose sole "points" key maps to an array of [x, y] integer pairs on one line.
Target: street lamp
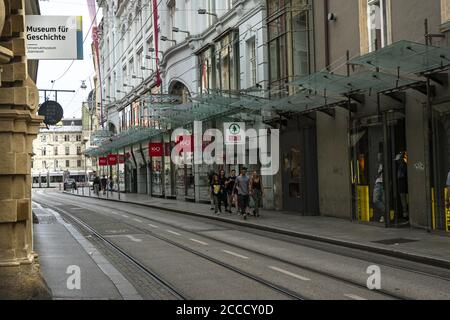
{"points": [[146, 69], [203, 11], [164, 38], [150, 57], [175, 29], [120, 91], [153, 50], [136, 77]]}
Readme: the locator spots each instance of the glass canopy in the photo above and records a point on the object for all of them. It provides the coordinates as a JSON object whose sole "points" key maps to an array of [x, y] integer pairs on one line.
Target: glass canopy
{"points": [[407, 57]]}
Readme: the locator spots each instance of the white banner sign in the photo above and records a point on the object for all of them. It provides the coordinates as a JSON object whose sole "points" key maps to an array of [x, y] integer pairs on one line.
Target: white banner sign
{"points": [[54, 37]]}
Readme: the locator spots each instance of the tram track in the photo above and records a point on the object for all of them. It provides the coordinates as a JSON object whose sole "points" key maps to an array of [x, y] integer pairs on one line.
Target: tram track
{"points": [[82, 224], [254, 252]]}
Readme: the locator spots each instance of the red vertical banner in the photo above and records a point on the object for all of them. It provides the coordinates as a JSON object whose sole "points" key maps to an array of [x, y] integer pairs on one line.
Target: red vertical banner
{"points": [[156, 37], [112, 159], [103, 161]]}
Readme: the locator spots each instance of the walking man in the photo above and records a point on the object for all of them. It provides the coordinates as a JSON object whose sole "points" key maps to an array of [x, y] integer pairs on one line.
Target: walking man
{"points": [[229, 185], [242, 190]]}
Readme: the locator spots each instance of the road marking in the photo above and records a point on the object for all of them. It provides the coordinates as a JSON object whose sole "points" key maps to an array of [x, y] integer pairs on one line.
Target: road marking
{"points": [[289, 273], [173, 232], [153, 226], [134, 239], [137, 220], [125, 216], [354, 297], [235, 254], [198, 241]]}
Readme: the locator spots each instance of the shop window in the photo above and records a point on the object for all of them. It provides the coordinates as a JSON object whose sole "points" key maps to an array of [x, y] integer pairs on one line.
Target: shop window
{"points": [[251, 47]]}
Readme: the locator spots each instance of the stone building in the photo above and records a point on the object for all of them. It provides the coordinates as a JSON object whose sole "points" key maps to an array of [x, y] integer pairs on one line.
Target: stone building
{"points": [[19, 125]]}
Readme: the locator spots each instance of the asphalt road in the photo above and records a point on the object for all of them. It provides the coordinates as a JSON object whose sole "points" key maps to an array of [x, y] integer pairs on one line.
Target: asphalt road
{"points": [[208, 259]]}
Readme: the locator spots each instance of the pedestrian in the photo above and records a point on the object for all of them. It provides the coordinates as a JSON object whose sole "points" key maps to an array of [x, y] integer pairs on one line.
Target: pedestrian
{"points": [[216, 190], [229, 186], [111, 184], [223, 192], [96, 184], [256, 191], [104, 184], [402, 182], [241, 188], [378, 191], [211, 195]]}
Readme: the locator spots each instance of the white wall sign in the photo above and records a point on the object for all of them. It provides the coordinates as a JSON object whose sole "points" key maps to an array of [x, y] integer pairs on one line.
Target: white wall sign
{"points": [[54, 37], [234, 132]]}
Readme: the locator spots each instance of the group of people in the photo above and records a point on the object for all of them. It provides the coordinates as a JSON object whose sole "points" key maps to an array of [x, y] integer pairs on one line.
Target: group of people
{"points": [[236, 191], [102, 184]]}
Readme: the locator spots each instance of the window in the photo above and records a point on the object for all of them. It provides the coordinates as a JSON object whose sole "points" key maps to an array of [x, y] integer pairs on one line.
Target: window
{"points": [[56, 164], [289, 41], [55, 138], [67, 151], [55, 151], [44, 164], [67, 163], [78, 151], [206, 66], [44, 151], [252, 75], [43, 138], [445, 5], [227, 66], [79, 163], [78, 137], [66, 138], [377, 23]]}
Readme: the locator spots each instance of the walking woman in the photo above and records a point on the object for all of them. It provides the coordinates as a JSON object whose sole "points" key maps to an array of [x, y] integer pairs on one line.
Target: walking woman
{"points": [[223, 193], [216, 191], [257, 192]]}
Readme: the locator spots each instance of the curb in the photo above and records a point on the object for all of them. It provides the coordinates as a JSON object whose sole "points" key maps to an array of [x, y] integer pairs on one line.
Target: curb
{"points": [[352, 245]]}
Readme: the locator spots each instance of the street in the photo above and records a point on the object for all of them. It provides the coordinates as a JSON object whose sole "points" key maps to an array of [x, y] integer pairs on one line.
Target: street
{"points": [[168, 255]]}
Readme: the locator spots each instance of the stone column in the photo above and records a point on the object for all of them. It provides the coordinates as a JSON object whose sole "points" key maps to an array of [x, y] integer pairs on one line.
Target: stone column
{"points": [[19, 125]]}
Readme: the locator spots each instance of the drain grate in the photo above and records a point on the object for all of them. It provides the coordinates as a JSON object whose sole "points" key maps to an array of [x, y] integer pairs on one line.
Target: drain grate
{"points": [[395, 241]]}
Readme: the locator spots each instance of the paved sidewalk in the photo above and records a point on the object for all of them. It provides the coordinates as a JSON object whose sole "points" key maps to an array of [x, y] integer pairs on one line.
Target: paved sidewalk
{"points": [[413, 244], [61, 248]]}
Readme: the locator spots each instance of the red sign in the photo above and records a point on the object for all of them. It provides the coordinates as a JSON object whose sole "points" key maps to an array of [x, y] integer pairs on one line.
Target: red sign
{"points": [[156, 149], [112, 159], [185, 144], [103, 161]]}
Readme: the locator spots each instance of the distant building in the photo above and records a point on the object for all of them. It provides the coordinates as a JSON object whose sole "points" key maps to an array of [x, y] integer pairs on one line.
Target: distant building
{"points": [[58, 152]]}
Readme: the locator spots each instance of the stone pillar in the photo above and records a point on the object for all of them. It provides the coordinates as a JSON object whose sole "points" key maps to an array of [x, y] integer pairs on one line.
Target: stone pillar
{"points": [[19, 126]]}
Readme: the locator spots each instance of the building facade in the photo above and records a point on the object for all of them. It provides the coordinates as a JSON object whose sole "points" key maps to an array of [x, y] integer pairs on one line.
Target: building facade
{"points": [[59, 153], [358, 89]]}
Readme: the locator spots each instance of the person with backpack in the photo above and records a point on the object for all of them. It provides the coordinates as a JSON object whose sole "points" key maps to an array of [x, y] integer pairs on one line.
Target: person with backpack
{"points": [[104, 184], [217, 190], [96, 184]]}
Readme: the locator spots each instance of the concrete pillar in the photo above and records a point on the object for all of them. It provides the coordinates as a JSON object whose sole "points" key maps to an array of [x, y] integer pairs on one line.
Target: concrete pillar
{"points": [[19, 126]]}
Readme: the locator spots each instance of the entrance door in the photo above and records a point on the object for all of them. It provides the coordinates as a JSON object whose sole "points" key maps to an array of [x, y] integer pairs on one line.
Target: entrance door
{"points": [[299, 170], [379, 170]]}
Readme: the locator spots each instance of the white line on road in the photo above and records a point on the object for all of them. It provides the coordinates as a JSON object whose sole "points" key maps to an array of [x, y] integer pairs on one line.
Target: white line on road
{"points": [[198, 241], [153, 226], [354, 297], [134, 239], [173, 232], [137, 220], [235, 254], [125, 216], [289, 273]]}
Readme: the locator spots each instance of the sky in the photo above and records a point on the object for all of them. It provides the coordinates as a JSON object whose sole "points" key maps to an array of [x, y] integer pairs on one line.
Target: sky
{"points": [[80, 70]]}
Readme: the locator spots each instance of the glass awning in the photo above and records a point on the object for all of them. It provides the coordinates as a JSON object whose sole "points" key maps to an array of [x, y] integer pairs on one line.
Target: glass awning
{"points": [[407, 57], [367, 81], [129, 137]]}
